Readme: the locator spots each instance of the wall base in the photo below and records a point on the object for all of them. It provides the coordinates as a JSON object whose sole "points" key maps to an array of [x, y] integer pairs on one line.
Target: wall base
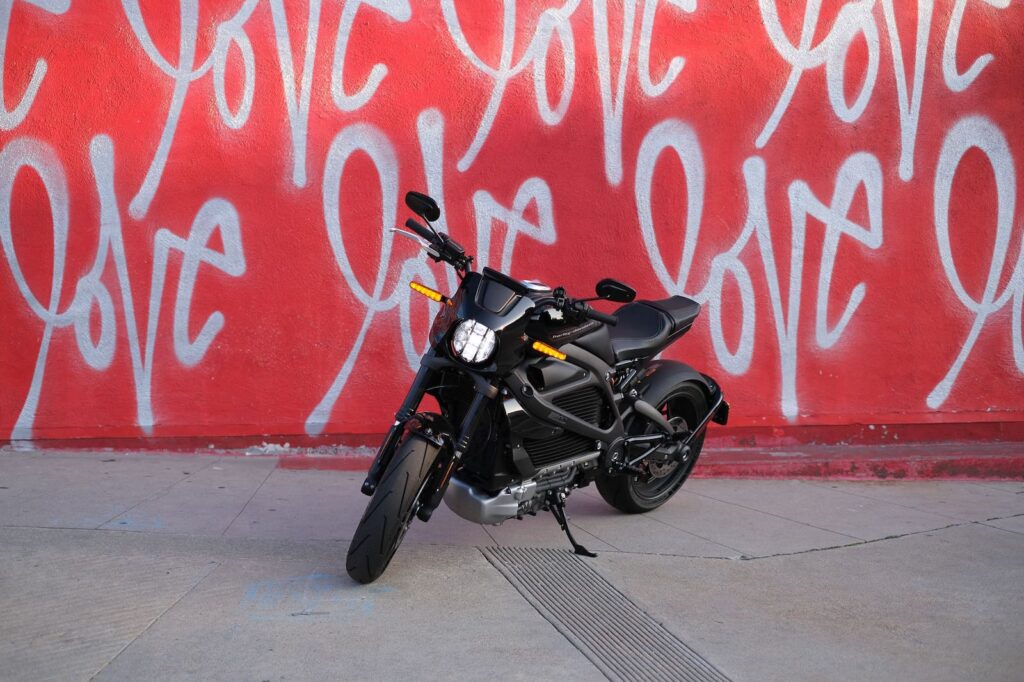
{"points": [[990, 451]]}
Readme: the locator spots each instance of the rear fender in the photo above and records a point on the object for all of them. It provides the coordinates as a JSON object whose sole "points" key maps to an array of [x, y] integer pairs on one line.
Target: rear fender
{"points": [[661, 376]]}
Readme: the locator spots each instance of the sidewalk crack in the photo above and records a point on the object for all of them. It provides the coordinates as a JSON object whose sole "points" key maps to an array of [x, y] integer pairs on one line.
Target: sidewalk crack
{"points": [[246, 505], [888, 537], [216, 565]]}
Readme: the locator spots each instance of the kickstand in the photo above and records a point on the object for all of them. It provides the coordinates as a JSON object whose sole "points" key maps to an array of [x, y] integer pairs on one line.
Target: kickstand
{"points": [[557, 507]]}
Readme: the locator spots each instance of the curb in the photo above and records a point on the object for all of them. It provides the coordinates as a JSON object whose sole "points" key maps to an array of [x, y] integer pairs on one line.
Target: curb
{"points": [[995, 461], [879, 466], [918, 462]]}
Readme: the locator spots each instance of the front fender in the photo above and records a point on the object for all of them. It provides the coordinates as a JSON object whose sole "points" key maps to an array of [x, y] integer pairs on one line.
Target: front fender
{"points": [[432, 427], [436, 432]]}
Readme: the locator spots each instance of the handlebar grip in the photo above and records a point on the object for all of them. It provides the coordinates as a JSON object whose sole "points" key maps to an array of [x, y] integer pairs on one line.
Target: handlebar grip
{"points": [[610, 320], [420, 230]]}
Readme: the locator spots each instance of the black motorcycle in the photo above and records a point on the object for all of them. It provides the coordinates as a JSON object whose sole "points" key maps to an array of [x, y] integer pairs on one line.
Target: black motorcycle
{"points": [[539, 394]]}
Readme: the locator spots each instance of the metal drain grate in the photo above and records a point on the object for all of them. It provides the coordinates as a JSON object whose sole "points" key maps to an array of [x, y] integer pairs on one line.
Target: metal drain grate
{"points": [[614, 633]]}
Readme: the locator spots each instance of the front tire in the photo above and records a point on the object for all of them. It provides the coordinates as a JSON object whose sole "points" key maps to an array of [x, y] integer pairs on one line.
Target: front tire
{"points": [[630, 494], [390, 510]]}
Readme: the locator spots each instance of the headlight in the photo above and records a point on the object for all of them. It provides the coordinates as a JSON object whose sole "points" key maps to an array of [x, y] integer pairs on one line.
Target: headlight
{"points": [[473, 342]]}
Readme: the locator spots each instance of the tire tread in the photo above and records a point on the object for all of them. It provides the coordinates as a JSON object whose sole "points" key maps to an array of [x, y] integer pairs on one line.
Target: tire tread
{"points": [[391, 503]]}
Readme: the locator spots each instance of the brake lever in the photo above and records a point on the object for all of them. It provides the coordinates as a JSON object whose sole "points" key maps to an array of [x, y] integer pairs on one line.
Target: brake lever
{"points": [[419, 240]]}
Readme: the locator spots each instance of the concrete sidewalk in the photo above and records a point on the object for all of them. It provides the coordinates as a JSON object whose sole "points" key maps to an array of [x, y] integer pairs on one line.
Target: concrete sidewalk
{"points": [[169, 567]]}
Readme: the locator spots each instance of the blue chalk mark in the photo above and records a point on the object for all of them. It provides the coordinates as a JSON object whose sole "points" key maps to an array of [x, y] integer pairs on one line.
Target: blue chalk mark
{"points": [[316, 595], [137, 522]]}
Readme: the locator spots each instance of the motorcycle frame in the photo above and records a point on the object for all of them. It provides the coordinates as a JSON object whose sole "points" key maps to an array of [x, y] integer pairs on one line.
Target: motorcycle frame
{"points": [[612, 442]]}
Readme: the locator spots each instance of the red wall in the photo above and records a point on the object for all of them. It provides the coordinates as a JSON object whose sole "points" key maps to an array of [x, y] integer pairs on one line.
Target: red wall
{"points": [[194, 199]]}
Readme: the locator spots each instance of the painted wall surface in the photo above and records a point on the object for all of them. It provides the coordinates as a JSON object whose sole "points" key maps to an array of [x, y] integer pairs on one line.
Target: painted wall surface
{"points": [[195, 197]]}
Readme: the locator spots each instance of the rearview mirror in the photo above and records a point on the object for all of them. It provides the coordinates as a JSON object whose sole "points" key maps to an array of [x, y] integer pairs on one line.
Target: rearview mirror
{"points": [[423, 205], [614, 290]]}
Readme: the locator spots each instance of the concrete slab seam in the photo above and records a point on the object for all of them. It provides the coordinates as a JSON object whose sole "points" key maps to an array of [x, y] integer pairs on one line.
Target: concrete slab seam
{"points": [[826, 486], [158, 494], [768, 513]]}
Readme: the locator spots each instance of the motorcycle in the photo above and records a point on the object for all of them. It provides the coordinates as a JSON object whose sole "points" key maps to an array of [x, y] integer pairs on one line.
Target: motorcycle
{"points": [[540, 394]]}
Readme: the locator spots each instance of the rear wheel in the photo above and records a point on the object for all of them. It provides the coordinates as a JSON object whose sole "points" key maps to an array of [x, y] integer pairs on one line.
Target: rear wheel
{"points": [[684, 406], [391, 510]]}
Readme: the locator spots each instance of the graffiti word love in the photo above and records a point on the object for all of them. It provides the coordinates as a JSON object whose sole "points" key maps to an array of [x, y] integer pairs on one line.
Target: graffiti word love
{"points": [[90, 292]]}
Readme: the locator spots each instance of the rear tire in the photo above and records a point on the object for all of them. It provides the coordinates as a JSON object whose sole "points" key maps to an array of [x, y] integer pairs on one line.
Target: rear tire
{"points": [[628, 493], [391, 510]]}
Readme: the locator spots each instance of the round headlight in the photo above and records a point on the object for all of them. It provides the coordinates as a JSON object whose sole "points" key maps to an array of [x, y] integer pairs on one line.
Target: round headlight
{"points": [[473, 342]]}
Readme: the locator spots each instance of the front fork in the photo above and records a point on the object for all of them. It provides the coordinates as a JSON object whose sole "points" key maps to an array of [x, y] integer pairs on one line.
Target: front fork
{"points": [[407, 410], [452, 449]]}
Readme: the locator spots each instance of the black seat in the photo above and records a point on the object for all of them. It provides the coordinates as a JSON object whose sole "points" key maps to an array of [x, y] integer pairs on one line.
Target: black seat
{"points": [[645, 327]]}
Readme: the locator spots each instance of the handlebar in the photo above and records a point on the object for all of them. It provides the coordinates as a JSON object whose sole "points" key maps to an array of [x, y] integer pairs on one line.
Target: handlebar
{"points": [[442, 247], [420, 230], [578, 308], [610, 320]]}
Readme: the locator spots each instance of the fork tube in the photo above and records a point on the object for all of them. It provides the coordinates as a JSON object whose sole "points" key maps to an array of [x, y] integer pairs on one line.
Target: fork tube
{"points": [[407, 410], [484, 394]]}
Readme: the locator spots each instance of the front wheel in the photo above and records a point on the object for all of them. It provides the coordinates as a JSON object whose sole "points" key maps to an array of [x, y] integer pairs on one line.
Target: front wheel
{"points": [[684, 405], [391, 509]]}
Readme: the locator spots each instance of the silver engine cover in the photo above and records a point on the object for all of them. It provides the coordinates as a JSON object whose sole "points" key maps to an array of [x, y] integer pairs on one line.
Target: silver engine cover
{"points": [[478, 506]]}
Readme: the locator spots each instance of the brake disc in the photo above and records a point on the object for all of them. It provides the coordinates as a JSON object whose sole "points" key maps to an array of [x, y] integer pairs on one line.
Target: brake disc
{"points": [[665, 460]]}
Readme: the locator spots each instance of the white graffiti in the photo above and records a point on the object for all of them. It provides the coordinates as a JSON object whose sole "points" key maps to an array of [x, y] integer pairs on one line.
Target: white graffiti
{"points": [[853, 20], [979, 132], [976, 131], [375, 144], [230, 32], [551, 21], [370, 140], [681, 138], [398, 10], [909, 104], [12, 118], [488, 211], [859, 169], [613, 103], [675, 65], [557, 21], [956, 81], [90, 291], [297, 106], [624, 71], [26, 153]]}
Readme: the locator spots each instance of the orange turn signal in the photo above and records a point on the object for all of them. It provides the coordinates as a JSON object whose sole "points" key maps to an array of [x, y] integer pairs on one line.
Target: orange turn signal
{"points": [[548, 350], [428, 292]]}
